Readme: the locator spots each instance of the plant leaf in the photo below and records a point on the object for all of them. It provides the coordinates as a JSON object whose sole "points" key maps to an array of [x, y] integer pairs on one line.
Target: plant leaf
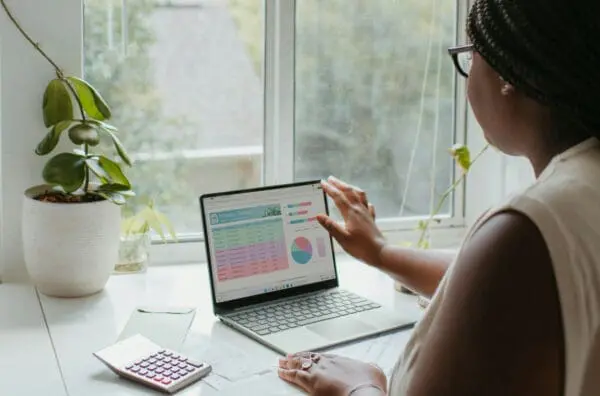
{"points": [[95, 167], [114, 197], [118, 146], [114, 172], [462, 156], [52, 137], [134, 225], [57, 103], [93, 103], [164, 220], [116, 187], [66, 170], [103, 125], [84, 134], [153, 221]]}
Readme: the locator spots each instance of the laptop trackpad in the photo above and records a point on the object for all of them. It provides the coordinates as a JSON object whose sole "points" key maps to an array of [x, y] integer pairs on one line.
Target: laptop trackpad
{"points": [[340, 328]]}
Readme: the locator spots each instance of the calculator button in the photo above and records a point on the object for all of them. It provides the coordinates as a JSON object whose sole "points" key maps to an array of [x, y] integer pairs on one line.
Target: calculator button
{"points": [[143, 372], [162, 351], [154, 355], [152, 367], [135, 369], [129, 367], [175, 377], [159, 364], [167, 353], [145, 364], [182, 365], [167, 373], [183, 359], [152, 361], [150, 374], [190, 368], [183, 373], [159, 378], [194, 363], [167, 367], [138, 362], [175, 356], [167, 360], [160, 370], [166, 381]]}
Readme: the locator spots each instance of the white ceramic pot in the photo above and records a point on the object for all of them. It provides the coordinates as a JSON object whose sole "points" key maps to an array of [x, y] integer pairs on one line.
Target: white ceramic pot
{"points": [[70, 249]]}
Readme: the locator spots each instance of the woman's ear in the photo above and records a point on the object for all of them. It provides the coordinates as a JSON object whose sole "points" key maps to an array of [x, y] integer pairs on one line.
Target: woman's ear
{"points": [[507, 89]]}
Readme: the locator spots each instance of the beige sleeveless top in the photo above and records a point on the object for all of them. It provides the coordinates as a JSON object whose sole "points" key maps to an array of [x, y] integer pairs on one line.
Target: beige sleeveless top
{"points": [[564, 203]]}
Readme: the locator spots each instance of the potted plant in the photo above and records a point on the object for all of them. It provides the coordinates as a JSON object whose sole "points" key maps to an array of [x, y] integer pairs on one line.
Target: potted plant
{"points": [[462, 156], [135, 237], [71, 223]]}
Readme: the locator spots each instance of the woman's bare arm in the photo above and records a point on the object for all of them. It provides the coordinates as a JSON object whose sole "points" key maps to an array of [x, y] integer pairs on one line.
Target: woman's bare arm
{"points": [[419, 270]]}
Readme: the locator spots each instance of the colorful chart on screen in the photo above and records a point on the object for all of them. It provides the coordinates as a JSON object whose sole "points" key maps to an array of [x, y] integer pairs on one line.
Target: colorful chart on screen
{"points": [[302, 250]]}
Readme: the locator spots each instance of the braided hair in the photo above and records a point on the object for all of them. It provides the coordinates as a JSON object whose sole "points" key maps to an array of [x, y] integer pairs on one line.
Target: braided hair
{"points": [[547, 49]]}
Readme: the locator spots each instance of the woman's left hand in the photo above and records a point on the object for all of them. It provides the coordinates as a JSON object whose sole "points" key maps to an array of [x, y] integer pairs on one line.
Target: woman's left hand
{"points": [[330, 375]]}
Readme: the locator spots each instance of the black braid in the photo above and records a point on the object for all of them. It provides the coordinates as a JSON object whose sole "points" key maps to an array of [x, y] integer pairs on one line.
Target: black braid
{"points": [[547, 49]]}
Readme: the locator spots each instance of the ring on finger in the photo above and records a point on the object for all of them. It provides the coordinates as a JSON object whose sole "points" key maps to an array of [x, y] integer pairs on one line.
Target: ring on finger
{"points": [[306, 364]]}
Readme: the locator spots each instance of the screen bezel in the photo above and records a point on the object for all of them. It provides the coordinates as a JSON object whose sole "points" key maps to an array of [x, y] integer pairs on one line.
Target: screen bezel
{"points": [[243, 302]]}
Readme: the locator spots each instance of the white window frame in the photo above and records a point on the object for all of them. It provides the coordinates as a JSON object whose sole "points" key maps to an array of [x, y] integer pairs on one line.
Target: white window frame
{"points": [[24, 75]]}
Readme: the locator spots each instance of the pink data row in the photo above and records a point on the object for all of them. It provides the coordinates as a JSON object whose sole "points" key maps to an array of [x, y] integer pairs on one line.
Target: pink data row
{"points": [[253, 268]]}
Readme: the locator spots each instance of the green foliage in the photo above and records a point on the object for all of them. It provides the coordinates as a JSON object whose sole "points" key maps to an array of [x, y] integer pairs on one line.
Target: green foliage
{"points": [[462, 157], [72, 172], [57, 104], [148, 218]]}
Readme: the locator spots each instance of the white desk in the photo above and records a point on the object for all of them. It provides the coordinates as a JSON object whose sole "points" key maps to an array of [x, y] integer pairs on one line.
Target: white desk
{"points": [[78, 327]]}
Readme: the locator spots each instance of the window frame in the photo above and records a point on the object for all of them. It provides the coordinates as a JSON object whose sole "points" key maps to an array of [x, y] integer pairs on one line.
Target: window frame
{"points": [[23, 70]]}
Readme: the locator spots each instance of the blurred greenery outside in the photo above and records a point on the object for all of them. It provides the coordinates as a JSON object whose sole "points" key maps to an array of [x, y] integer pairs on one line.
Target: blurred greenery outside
{"points": [[372, 76]]}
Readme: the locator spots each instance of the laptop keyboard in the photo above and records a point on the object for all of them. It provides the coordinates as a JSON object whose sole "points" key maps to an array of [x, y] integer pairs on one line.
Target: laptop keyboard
{"points": [[302, 311]]}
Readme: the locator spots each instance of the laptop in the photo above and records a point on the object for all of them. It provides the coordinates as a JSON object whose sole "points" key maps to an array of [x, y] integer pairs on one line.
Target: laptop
{"points": [[273, 273]]}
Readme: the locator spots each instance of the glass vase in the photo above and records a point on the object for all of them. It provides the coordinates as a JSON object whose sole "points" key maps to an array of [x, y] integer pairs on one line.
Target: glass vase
{"points": [[133, 254]]}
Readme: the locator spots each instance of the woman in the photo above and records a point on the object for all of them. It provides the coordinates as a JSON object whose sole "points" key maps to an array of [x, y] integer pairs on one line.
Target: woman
{"points": [[518, 311]]}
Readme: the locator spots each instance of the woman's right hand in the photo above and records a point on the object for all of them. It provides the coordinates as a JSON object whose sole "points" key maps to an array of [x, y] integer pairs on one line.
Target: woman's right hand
{"points": [[359, 236]]}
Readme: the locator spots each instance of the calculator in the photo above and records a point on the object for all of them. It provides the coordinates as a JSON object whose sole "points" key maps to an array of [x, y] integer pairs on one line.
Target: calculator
{"points": [[141, 360]]}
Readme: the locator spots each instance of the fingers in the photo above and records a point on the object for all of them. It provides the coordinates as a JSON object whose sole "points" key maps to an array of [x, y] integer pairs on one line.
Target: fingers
{"points": [[340, 199], [372, 211], [337, 231], [297, 377], [353, 192]]}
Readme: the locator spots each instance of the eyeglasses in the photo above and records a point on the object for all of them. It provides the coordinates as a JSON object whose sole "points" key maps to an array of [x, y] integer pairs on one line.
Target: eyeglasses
{"points": [[463, 58]]}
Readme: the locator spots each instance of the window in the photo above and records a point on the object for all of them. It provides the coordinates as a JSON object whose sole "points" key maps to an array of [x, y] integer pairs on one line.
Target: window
{"points": [[227, 94], [375, 98]]}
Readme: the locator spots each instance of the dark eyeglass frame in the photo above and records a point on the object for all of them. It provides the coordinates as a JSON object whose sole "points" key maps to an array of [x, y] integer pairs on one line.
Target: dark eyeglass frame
{"points": [[455, 51]]}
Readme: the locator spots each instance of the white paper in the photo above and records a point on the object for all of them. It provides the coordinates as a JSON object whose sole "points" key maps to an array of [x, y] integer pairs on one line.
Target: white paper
{"points": [[227, 361], [383, 351], [126, 351], [264, 385], [217, 382]]}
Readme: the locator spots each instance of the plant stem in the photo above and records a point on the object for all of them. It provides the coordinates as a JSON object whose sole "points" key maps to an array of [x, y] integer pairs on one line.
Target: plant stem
{"points": [[446, 195], [59, 71], [86, 183]]}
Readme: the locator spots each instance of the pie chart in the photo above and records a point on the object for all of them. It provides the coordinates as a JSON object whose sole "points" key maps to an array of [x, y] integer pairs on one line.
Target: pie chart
{"points": [[302, 250]]}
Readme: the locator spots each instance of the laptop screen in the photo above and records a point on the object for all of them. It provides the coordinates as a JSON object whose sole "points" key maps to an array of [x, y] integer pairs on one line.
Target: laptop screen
{"points": [[267, 240]]}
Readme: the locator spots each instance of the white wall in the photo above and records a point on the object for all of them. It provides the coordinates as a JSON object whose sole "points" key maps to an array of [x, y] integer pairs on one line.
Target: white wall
{"points": [[57, 26]]}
